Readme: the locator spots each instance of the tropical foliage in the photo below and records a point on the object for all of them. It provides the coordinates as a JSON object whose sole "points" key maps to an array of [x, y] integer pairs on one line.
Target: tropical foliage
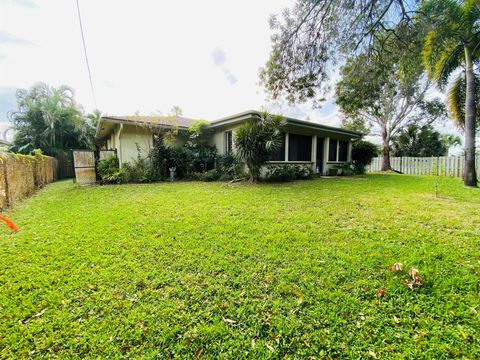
{"points": [[452, 44], [419, 141], [256, 140], [48, 118], [386, 96]]}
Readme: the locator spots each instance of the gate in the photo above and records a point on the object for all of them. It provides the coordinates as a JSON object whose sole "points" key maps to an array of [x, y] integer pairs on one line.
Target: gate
{"points": [[84, 163]]}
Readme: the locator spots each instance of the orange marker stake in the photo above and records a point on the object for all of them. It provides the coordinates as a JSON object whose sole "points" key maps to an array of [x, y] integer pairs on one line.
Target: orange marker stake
{"points": [[9, 223]]}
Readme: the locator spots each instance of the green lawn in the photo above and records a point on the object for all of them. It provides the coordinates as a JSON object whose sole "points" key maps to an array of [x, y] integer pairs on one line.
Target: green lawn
{"points": [[245, 271]]}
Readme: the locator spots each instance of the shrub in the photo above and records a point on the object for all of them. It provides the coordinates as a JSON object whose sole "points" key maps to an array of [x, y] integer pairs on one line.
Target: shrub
{"points": [[203, 158], [362, 154], [287, 172], [344, 169], [210, 175], [165, 157], [138, 171], [256, 141], [229, 166], [109, 171]]}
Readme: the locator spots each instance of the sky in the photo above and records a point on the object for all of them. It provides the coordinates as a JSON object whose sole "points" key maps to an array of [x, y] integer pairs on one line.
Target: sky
{"points": [[146, 56]]}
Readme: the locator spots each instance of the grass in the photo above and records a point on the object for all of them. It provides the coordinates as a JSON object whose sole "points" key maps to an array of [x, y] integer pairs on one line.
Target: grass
{"points": [[190, 270]]}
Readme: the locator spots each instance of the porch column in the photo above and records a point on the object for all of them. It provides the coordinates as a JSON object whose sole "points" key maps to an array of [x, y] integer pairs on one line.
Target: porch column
{"points": [[286, 146], [314, 153], [326, 146], [349, 152]]}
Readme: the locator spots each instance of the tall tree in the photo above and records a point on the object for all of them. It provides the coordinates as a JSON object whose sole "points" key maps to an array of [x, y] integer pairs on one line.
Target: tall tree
{"points": [[454, 44], [311, 37], [48, 118], [387, 95]]}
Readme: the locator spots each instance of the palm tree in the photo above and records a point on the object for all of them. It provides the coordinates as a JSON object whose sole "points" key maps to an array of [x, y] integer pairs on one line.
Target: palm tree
{"points": [[452, 44], [256, 140], [456, 99]]}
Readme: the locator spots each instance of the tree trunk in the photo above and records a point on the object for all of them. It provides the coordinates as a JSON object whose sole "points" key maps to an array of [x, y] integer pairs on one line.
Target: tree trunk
{"points": [[470, 175], [385, 152]]}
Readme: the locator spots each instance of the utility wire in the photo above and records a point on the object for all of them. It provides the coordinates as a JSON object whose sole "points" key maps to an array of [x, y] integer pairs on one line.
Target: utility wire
{"points": [[86, 56]]}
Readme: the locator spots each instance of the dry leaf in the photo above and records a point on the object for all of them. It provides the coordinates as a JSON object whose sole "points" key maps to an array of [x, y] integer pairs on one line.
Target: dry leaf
{"points": [[269, 347], [396, 267], [298, 295], [396, 320], [198, 353], [408, 284], [229, 321], [381, 292], [417, 280], [372, 354]]}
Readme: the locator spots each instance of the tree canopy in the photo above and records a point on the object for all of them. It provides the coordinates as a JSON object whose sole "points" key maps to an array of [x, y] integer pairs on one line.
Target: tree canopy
{"points": [[49, 119], [419, 141]]}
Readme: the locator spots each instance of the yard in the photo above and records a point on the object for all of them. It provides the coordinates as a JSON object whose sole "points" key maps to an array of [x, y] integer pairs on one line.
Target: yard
{"points": [[191, 270]]}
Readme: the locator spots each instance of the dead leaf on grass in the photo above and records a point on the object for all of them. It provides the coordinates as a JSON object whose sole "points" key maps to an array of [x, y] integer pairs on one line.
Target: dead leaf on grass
{"points": [[198, 353], [417, 280], [298, 295], [396, 267], [270, 347], [381, 292]]}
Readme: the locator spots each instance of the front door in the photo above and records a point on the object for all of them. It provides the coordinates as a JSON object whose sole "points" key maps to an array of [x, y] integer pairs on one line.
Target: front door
{"points": [[319, 157]]}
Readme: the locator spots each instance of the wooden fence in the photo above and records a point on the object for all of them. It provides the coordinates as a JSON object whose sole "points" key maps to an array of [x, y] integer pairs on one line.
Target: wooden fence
{"points": [[442, 165], [21, 175]]}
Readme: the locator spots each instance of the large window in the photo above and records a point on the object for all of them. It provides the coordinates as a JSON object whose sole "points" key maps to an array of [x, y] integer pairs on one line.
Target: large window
{"points": [[338, 147], [299, 147], [342, 150], [228, 141], [279, 154], [332, 150]]}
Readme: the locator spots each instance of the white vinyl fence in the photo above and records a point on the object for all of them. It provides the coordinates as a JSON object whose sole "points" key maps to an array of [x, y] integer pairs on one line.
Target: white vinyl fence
{"points": [[443, 165]]}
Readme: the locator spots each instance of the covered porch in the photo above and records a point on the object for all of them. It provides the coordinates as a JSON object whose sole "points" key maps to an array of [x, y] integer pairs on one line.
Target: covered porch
{"points": [[309, 145]]}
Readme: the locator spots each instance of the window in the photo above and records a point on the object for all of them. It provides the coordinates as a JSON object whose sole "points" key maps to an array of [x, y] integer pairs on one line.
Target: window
{"points": [[228, 141], [338, 147], [332, 150], [299, 147], [342, 150], [279, 153]]}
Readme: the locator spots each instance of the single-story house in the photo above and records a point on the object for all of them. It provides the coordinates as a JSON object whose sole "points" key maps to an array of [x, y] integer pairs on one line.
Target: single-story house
{"points": [[303, 142]]}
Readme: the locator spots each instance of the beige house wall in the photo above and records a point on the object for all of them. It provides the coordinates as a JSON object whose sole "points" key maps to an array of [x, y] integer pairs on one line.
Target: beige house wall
{"points": [[219, 138]]}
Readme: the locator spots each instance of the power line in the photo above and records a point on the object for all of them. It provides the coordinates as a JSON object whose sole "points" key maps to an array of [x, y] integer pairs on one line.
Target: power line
{"points": [[86, 56]]}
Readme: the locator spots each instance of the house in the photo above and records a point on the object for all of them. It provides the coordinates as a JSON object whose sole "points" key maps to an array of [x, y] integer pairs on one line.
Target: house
{"points": [[303, 142]]}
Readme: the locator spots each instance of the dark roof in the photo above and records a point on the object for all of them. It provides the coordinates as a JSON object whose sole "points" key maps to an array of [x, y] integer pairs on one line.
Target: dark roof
{"points": [[180, 121], [254, 114]]}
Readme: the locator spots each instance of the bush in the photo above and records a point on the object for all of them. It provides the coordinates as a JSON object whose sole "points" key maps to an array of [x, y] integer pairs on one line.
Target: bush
{"points": [[211, 175], [256, 140], [165, 157], [287, 172], [229, 166], [138, 171], [203, 158], [109, 171], [362, 154], [344, 169]]}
